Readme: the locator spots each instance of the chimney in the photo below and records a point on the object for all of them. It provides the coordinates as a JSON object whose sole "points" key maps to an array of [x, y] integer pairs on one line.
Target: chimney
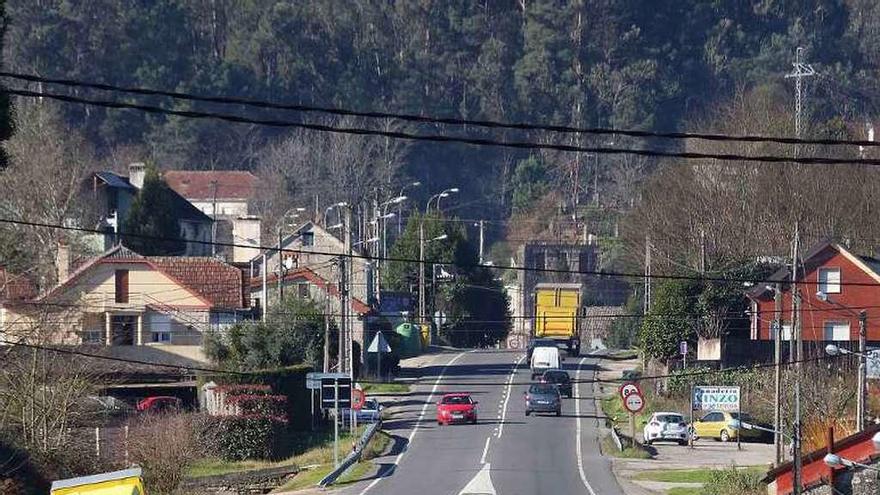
{"points": [[136, 172], [62, 261]]}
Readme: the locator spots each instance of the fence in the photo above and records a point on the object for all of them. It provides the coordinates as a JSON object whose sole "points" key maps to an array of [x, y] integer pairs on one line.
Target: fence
{"points": [[352, 458]]}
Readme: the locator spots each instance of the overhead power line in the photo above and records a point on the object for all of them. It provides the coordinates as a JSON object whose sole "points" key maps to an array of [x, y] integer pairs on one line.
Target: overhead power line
{"points": [[422, 119], [442, 138], [270, 249]]}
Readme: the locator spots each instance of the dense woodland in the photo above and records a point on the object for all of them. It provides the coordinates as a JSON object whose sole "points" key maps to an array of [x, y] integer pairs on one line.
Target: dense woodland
{"points": [[640, 64]]}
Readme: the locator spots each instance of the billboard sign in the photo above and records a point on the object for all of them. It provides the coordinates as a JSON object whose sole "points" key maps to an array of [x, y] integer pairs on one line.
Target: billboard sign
{"points": [[707, 398]]}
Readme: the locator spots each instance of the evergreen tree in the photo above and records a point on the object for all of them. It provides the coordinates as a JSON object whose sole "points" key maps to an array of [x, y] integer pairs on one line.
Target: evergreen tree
{"points": [[151, 227]]}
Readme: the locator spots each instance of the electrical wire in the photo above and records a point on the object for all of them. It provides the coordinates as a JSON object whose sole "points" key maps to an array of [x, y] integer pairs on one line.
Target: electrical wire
{"points": [[442, 138], [600, 273], [492, 124]]}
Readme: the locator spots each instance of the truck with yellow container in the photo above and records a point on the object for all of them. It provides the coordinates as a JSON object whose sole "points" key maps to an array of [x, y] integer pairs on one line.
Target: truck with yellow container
{"points": [[558, 314]]}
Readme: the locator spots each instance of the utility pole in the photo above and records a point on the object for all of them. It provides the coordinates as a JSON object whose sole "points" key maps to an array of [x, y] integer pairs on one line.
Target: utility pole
{"points": [[349, 327], [778, 440], [702, 252], [214, 218], [863, 365], [801, 70], [797, 348], [280, 269], [264, 294], [422, 279], [647, 302], [343, 314], [326, 367], [481, 241]]}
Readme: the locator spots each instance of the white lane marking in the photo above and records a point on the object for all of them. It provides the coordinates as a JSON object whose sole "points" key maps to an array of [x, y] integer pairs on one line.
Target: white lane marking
{"points": [[480, 485], [485, 450], [577, 412], [508, 394], [415, 429]]}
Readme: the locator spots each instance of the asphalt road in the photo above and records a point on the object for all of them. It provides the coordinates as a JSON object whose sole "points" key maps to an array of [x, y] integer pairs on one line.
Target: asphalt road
{"points": [[506, 453]]}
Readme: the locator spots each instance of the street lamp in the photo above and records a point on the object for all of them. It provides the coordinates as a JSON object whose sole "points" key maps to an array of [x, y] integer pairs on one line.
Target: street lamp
{"points": [[400, 207], [446, 195], [833, 350], [422, 304], [327, 211], [835, 461]]}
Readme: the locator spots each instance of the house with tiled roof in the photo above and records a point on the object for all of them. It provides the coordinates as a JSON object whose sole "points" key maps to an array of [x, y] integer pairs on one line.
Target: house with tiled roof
{"points": [[226, 197], [834, 283], [111, 195], [124, 299]]}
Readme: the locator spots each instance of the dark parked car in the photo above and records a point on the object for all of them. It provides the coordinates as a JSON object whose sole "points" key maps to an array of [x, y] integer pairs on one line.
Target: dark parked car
{"points": [[559, 378], [543, 397]]}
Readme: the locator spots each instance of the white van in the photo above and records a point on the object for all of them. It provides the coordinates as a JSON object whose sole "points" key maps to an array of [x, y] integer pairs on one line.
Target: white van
{"points": [[543, 359]]}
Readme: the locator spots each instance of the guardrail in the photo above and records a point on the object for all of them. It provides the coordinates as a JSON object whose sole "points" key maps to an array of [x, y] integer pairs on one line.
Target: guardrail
{"points": [[352, 458], [614, 436]]}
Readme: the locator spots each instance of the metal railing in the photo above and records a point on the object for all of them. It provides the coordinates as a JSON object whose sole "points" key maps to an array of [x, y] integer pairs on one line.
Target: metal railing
{"points": [[352, 458]]}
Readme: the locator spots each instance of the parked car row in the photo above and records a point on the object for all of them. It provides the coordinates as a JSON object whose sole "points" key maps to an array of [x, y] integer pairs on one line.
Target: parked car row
{"points": [[719, 425]]}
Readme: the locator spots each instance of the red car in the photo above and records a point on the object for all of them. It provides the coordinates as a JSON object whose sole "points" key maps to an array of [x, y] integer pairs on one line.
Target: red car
{"points": [[456, 408], [159, 404]]}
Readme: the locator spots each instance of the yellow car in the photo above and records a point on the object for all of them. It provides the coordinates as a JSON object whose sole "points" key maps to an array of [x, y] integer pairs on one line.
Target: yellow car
{"points": [[717, 425], [125, 482]]}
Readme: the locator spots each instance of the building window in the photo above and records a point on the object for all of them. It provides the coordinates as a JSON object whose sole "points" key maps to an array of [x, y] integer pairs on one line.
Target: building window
{"points": [[308, 239], [92, 337], [829, 280], [786, 332], [303, 290], [837, 330], [121, 286]]}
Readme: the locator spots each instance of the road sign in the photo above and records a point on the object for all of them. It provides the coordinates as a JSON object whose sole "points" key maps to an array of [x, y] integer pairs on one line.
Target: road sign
{"points": [[634, 402], [379, 344], [683, 348], [629, 388], [716, 399], [313, 380], [873, 361], [357, 399], [329, 389]]}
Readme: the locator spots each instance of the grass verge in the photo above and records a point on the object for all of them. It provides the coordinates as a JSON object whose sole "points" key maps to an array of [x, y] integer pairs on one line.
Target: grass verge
{"points": [[386, 388], [685, 490], [688, 475], [637, 452], [309, 478], [312, 449]]}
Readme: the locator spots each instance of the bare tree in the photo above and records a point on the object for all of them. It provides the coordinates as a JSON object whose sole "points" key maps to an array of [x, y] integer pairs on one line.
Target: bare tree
{"points": [[48, 166]]}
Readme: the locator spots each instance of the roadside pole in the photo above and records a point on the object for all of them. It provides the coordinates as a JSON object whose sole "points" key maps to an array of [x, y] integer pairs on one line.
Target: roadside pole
{"points": [[863, 365], [336, 423], [691, 430], [778, 440], [739, 401], [632, 429]]}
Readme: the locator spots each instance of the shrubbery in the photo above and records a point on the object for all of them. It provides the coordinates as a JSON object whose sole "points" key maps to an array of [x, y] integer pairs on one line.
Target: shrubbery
{"points": [[250, 437], [733, 481]]}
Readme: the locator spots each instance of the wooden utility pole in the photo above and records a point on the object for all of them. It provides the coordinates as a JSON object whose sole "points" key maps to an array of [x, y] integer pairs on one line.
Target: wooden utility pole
{"points": [[778, 439], [863, 370], [797, 351], [647, 295]]}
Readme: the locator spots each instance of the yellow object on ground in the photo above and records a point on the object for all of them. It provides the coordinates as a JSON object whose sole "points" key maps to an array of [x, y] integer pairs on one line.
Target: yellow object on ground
{"points": [[125, 482]]}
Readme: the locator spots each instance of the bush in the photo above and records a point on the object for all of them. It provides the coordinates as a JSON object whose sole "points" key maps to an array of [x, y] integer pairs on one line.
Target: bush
{"points": [[733, 481], [164, 445], [250, 437]]}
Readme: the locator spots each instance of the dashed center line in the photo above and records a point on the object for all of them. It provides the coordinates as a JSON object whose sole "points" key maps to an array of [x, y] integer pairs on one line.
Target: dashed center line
{"points": [[507, 393]]}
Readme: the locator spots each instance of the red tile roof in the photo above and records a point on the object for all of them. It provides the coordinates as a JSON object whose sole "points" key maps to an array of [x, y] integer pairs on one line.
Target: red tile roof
{"points": [[15, 287], [217, 282], [199, 185]]}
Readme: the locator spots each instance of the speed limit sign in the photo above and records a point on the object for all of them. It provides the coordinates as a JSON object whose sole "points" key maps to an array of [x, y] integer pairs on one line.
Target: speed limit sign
{"points": [[634, 403], [628, 389]]}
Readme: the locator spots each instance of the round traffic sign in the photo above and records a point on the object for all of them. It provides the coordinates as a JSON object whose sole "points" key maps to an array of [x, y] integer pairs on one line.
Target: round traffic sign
{"points": [[357, 399], [634, 403], [629, 388]]}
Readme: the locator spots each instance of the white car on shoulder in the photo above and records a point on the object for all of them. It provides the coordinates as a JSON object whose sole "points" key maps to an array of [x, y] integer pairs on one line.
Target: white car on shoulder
{"points": [[666, 427]]}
